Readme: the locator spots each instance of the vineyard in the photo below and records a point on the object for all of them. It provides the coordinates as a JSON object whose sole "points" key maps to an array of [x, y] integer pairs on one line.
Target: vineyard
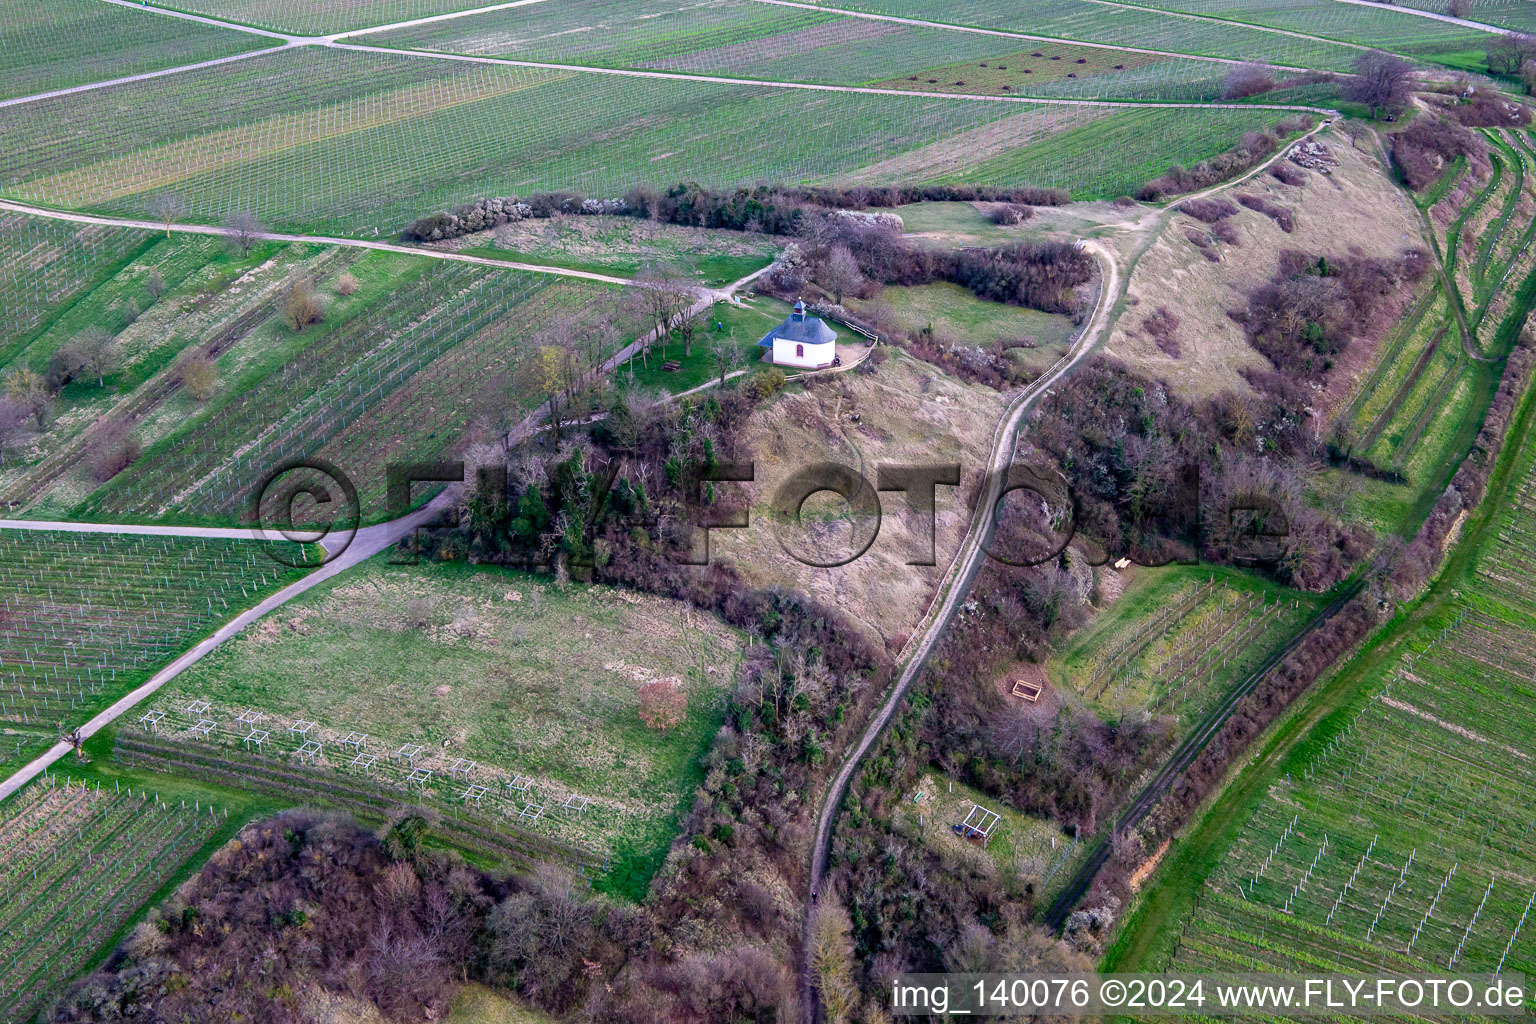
{"points": [[1515, 14], [301, 16], [1182, 638], [402, 376], [753, 40], [354, 143], [243, 743], [1365, 26], [1136, 26], [79, 861], [84, 615], [67, 42], [45, 263], [1397, 838], [1420, 398], [296, 782]]}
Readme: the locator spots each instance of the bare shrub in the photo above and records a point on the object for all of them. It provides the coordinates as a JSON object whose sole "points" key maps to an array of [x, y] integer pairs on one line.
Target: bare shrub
{"points": [[1208, 210], [1247, 80], [1011, 214], [155, 285], [1288, 173], [114, 450], [197, 374], [346, 284], [421, 613], [1202, 241], [1275, 212], [1429, 144], [13, 424], [29, 391], [1253, 148], [303, 306], [662, 704], [1162, 326]]}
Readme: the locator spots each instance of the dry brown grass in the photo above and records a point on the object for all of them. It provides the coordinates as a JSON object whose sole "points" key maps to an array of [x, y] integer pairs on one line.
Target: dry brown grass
{"points": [[907, 412], [1356, 209]]}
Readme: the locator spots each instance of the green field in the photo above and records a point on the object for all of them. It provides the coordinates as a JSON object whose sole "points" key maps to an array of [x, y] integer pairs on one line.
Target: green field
{"points": [[743, 325], [71, 42], [958, 314], [497, 667], [1389, 808], [354, 143]]}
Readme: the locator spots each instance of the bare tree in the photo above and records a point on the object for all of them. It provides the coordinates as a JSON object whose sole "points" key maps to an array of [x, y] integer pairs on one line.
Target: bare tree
{"points": [[665, 292], [167, 208], [27, 389], [244, 230], [726, 354], [100, 353], [303, 305], [546, 374], [840, 273], [1381, 81], [687, 323], [1506, 53], [1458, 8]]}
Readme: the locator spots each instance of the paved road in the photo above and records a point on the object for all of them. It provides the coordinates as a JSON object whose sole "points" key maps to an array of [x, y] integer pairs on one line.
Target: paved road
{"points": [[1434, 15], [867, 90], [141, 77], [369, 541], [968, 561], [353, 243], [954, 589], [203, 532]]}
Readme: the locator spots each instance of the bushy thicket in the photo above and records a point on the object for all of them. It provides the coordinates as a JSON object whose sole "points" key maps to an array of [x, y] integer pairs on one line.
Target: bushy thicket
{"points": [[310, 901], [1308, 313], [769, 209], [1039, 275], [1424, 150], [615, 508], [1208, 210]]}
